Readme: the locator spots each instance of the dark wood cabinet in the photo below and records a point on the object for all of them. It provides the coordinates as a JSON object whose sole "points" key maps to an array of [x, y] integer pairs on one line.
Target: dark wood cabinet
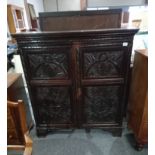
{"points": [[77, 79]]}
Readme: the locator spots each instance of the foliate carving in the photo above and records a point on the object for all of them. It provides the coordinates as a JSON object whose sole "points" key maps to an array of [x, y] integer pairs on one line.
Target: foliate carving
{"points": [[98, 64], [101, 103], [53, 104], [54, 65]]}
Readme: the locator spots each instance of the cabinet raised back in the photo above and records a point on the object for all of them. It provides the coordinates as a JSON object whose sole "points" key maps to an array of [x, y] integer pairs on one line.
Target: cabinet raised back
{"points": [[80, 20]]}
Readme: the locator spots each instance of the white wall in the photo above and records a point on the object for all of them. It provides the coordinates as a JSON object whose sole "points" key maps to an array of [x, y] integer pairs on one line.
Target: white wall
{"points": [[102, 3], [19, 3], [63, 5], [66, 5], [50, 5], [38, 5]]}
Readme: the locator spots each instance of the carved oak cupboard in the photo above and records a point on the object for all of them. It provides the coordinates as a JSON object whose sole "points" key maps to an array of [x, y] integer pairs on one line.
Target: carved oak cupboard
{"points": [[77, 79]]}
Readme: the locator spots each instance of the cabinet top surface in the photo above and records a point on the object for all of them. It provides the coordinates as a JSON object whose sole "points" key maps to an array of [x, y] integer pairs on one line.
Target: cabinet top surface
{"points": [[98, 31]]}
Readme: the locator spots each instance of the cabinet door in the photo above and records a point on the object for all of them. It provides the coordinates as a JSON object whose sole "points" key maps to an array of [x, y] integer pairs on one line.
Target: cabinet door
{"points": [[49, 75], [102, 74]]}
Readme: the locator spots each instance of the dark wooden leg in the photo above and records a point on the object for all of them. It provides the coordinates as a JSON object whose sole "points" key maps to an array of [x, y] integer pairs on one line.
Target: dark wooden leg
{"points": [[41, 132], [139, 146]]}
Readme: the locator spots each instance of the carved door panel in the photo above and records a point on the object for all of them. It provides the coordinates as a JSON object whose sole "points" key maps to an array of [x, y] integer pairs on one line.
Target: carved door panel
{"points": [[99, 62], [48, 64], [102, 79], [54, 105], [101, 104]]}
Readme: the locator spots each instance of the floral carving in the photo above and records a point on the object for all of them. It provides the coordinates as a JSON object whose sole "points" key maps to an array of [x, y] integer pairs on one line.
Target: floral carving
{"points": [[53, 104], [52, 65], [101, 103], [99, 64]]}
